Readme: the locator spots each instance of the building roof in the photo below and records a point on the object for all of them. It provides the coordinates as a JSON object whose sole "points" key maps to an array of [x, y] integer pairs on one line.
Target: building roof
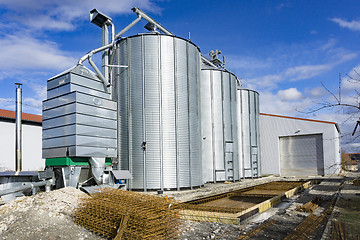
{"points": [[303, 119], [25, 116], [353, 156]]}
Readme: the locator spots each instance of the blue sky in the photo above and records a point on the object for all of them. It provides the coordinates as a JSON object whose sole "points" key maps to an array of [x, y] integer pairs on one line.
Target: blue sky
{"points": [[282, 49]]}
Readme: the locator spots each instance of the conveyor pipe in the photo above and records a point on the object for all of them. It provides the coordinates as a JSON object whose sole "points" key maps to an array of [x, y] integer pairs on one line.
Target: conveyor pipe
{"points": [[150, 20], [114, 37], [27, 186], [117, 36]]}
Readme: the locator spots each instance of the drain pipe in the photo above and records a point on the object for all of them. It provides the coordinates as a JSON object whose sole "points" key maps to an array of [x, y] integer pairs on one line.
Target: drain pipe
{"points": [[18, 128]]}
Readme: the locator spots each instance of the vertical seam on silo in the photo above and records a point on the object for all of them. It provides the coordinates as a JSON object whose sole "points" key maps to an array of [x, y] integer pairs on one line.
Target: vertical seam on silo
{"points": [[160, 115], [189, 114], [231, 125], [212, 123], [143, 110], [236, 135], [116, 89], [176, 116], [129, 116], [242, 133], [198, 70], [223, 121], [257, 121], [231, 108], [250, 133]]}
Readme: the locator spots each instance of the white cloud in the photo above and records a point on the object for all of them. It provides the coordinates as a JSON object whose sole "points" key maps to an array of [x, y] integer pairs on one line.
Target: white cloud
{"points": [[267, 81], [346, 123], [317, 92], [40, 90], [246, 62], [329, 45], [62, 15], [272, 103], [288, 65], [290, 94], [7, 103], [352, 25], [352, 81], [34, 103], [306, 71], [20, 53]]}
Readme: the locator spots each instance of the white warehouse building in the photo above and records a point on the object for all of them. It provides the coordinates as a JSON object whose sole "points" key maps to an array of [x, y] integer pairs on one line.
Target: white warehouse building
{"points": [[289, 146], [299, 147], [31, 141]]}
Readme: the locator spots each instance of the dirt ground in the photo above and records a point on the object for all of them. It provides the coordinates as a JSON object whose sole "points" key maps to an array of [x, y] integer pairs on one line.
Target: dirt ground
{"points": [[49, 215]]}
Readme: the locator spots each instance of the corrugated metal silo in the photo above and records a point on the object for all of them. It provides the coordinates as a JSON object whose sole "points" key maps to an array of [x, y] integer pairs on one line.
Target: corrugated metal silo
{"points": [[159, 120], [219, 125], [249, 133]]}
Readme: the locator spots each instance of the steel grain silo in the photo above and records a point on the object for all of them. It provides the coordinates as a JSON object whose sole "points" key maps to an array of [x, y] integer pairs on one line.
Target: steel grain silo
{"points": [[219, 125], [249, 133], [159, 137]]}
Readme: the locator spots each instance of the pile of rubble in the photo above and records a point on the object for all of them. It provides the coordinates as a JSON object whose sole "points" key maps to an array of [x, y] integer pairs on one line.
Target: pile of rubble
{"points": [[43, 216]]}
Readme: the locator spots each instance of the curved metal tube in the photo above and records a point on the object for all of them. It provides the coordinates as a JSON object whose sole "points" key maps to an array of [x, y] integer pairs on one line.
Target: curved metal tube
{"points": [[150, 20], [98, 72], [117, 36]]}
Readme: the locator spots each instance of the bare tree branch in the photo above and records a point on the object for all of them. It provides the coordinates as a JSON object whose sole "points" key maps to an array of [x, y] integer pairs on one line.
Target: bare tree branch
{"points": [[330, 92], [343, 103]]}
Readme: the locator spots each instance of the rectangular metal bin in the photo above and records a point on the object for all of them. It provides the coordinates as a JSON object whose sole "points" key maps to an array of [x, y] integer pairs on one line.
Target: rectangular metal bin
{"points": [[79, 151], [77, 118], [79, 108], [80, 98], [75, 140]]}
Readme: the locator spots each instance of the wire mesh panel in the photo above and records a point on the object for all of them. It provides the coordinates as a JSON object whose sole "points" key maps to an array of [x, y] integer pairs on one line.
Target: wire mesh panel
{"points": [[115, 213]]}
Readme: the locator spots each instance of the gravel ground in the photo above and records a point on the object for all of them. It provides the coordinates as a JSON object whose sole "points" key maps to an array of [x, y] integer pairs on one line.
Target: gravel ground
{"points": [[49, 215], [45, 216]]}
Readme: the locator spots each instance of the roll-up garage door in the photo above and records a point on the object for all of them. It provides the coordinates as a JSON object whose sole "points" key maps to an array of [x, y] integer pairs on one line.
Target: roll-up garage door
{"points": [[301, 155]]}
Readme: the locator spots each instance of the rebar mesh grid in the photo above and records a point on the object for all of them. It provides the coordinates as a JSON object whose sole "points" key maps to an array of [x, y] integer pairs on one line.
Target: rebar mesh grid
{"points": [[113, 212], [235, 198]]}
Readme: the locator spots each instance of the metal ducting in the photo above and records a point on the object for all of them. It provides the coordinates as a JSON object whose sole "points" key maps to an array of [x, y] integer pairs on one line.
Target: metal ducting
{"points": [[249, 133], [159, 137], [219, 125]]}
